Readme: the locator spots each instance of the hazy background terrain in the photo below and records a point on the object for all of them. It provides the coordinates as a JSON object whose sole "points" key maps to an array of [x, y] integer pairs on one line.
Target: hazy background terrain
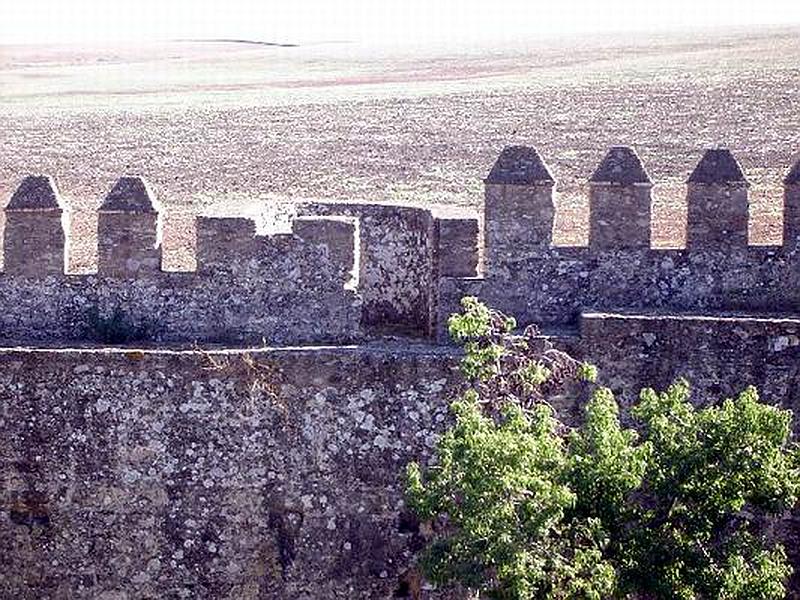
{"points": [[240, 126]]}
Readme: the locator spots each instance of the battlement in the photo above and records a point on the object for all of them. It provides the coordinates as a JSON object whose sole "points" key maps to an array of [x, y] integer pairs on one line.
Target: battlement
{"points": [[527, 275], [519, 204], [304, 444], [344, 271], [298, 286], [128, 232], [619, 201]]}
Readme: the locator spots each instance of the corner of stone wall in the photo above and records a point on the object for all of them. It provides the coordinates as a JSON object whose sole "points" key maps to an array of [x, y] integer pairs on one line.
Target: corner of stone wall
{"points": [[398, 266]]}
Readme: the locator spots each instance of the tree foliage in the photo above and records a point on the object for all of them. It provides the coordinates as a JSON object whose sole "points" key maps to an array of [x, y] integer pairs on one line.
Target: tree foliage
{"points": [[524, 506]]}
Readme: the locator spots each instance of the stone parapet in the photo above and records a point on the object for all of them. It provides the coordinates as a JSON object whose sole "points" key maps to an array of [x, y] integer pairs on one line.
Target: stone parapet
{"points": [[717, 202], [518, 206], [248, 288]]}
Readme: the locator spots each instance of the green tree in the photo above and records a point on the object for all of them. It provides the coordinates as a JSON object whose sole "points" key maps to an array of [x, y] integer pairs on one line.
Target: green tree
{"points": [[524, 506]]}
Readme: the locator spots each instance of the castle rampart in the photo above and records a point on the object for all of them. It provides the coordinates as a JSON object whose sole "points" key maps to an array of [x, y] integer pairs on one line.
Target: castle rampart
{"points": [[276, 472], [269, 473], [529, 277], [294, 287], [401, 269]]}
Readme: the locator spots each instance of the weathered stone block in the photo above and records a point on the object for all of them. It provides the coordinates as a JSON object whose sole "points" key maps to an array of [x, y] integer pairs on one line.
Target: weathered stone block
{"points": [[619, 216], [128, 244], [458, 246], [340, 237], [518, 207], [127, 231], [518, 221], [221, 241], [717, 202], [619, 202], [34, 235], [398, 275]]}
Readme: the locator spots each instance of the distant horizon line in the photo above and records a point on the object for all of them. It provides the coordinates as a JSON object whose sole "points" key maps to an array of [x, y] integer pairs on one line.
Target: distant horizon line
{"points": [[236, 41], [566, 35]]}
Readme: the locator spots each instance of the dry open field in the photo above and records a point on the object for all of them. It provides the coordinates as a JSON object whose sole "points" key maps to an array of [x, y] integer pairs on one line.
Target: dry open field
{"points": [[243, 126]]}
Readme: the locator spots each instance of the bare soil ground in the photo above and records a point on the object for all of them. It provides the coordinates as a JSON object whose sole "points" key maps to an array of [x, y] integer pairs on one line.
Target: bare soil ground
{"points": [[243, 127]]}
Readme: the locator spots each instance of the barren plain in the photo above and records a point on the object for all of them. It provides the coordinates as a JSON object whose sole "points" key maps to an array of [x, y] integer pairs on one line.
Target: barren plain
{"points": [[242, 127]]}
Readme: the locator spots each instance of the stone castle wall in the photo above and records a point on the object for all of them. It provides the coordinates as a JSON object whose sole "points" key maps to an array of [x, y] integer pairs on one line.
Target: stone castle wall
{"points": [[271, 474], [717, 271], [277, 474], [346, 271], [400, 270], [248, 288]]}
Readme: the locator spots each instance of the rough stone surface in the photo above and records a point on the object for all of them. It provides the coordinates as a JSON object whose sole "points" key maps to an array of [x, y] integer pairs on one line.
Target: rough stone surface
{"points": [[717, 166], [248, 288], [340, 236], [518, 221], [538, 283], [33, 243], [128, 243], [276, 473], [398, 265], [619, 215], [458, 248], [717, 214], [720, 354], [519, 165], [252, 303], [621, 166], [129, 194], [35, 192], [554, 286]]}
